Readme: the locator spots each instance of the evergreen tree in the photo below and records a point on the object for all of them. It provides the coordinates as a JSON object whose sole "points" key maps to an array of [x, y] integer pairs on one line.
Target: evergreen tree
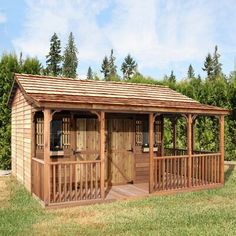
{"points": [[209, 66], [70, 60], [129, 67], [113, 67], [31, 66], [54, 57], [8, 66], [106, 68], [90, 73], [191, 73], [172, 78], [217, 66]]}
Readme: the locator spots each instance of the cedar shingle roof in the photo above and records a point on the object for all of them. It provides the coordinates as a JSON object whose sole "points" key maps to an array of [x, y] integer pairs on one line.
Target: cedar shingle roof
{"points": [[47, 89]]}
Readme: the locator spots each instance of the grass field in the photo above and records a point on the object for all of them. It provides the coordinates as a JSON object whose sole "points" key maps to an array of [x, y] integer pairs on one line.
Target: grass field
{"points": [[210, 212]]}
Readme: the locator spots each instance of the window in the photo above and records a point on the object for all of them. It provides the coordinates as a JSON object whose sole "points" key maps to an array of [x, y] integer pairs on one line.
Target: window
{"points": [[39, 133], [60, 134], [141, 133]]}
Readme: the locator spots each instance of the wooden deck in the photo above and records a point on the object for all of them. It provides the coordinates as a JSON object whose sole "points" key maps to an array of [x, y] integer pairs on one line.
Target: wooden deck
{"points": [[127, 191]]}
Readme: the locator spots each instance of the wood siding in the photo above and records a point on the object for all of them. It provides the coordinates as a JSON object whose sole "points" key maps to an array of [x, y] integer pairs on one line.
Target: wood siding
{"points": [[21, 139]]}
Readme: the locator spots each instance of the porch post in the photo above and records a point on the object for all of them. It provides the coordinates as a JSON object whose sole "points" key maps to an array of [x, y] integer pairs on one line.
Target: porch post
{"points": [[46, 140], [222, 149], [189, 135], [102, 152], [174, 123], [151, 155]]}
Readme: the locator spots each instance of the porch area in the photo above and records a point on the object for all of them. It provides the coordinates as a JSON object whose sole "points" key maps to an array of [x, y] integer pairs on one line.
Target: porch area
{"points": [[113, 165]]}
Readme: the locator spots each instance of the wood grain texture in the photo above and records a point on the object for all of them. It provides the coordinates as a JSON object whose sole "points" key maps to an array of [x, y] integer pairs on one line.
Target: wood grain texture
{"points": [[21, 139], [46, 90]]}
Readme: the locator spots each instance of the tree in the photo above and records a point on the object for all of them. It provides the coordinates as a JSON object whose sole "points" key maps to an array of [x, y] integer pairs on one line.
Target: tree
{"points": [[113, 67], [70, 60], [90, 73], [209, 66], [172, 78], [217, 66], [8, 66], [31, 66], [105, 68], [129, 67], [191, 73], [54, 57]]}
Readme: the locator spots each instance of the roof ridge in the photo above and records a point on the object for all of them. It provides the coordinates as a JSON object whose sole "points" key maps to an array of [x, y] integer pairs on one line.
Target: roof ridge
{"points": [[87, 80]]}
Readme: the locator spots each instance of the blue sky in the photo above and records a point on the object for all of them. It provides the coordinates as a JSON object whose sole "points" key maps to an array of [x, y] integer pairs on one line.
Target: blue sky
{"points": [[161, 35]]}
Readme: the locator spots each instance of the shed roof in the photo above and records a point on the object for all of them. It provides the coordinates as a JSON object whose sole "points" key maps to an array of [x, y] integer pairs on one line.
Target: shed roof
{"points": [[47, 91]]}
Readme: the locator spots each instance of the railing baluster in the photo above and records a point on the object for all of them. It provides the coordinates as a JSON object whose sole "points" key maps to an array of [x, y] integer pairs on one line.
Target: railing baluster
{"points": [[70, 171], [54, 183], [76, 182]]}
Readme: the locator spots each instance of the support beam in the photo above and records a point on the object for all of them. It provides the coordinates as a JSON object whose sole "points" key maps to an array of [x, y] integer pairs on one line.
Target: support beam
{"points": [[189, 135], [102, 152], [222, 147], [162, 136], [46, 139], [151, 154], [174, 127]]}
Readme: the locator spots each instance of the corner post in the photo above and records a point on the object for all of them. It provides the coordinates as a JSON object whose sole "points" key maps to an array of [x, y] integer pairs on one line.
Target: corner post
{"points": [[151, 154], [46, 135], [222, 149], [102, 152], [189, 135]]}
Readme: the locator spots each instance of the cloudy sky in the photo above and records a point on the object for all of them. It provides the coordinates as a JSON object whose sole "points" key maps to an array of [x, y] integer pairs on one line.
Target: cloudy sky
{"points": [[162, 35]]}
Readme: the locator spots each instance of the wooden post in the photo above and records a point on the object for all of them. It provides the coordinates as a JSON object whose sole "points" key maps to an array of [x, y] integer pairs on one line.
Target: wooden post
{"points": [[162, 136], [174, 124], [102, 152], [189, 135], [46, 139], [151, 154], [222, 148]]}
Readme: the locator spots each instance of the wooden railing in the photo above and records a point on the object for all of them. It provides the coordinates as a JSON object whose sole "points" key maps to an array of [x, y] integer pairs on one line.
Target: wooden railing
{"points": [[205, 169], [75, 181], [38, 177], [171, 172], [182, 151]]}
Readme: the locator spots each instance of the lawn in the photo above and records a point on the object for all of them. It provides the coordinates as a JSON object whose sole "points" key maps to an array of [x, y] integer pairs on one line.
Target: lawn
{"points": [[210, 212]]}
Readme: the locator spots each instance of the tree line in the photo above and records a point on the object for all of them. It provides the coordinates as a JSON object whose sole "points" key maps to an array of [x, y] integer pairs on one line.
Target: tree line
{"points": [[215, 88]]}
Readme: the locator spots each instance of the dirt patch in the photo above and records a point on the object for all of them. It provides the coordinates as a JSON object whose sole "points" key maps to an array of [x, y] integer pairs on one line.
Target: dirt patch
{"points": [[5, 191]]}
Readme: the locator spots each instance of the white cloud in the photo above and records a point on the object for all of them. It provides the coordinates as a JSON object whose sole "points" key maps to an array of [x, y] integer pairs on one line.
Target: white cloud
{"points": [[157, 33], [3, 18]]}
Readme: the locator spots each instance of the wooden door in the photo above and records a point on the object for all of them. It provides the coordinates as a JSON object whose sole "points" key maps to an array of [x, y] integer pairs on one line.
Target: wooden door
{"points": [[119, 151]]}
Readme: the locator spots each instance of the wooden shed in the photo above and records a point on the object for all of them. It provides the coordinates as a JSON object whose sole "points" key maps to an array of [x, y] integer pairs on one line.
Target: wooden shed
{"points": [[84, 141]]}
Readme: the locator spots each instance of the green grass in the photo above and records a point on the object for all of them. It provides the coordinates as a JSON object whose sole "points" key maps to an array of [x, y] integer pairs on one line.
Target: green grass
{"points": [[210, 212]]}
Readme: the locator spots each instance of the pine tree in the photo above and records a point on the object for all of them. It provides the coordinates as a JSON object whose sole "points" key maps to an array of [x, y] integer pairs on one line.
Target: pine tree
{"points": [[113, 67], [209, 66], [129, 67], [172, 78], [70, 60], [90, 73], [191, 73], [54, 57], [105, 68], [217, 66]]}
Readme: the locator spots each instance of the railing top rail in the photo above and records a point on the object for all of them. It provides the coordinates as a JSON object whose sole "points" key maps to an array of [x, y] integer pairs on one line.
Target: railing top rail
{"points": [[170, 157], [38, 160], [75, 162], [207, 154]]}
